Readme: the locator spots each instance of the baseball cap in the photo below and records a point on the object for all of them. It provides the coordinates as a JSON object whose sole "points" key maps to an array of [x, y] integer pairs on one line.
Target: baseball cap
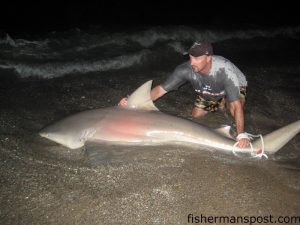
{"points": [[201, 48]]}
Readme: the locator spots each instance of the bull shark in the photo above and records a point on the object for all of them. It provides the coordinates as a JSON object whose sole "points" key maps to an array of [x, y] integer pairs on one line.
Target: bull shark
{"points": [[141, 123]]}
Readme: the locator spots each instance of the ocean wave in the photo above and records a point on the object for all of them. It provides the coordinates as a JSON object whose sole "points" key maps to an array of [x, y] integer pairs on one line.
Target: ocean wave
{"points": [[56, 69], [82, 51], [146, 37]]}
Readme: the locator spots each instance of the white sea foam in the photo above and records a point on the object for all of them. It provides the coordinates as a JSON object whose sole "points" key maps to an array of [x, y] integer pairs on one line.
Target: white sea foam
{"points": [[56, 69], [78, 51]]}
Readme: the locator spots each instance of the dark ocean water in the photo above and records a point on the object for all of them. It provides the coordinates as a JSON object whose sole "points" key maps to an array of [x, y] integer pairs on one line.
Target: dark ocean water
{"points": [[44, 77], [76, 51]]}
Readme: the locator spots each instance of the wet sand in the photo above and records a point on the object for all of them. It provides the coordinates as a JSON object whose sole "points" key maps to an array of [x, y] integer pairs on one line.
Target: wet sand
{"points": [[45, 183]]}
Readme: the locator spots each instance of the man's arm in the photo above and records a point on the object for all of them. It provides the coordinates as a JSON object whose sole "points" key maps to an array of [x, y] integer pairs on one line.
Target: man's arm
{"points": [[237, 111], [157, 92]]}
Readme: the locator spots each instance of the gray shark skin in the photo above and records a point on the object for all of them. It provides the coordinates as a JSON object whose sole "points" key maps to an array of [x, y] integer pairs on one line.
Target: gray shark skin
{"points": [[141, 123]]}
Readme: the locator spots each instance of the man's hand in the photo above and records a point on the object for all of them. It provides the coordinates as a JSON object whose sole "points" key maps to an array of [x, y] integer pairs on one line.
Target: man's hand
{"points": [[243, 143], [243, 140], [123, 102]]}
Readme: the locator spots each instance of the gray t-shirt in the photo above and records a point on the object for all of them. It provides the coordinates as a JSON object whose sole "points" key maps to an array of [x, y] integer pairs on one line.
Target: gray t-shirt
{"points": [[224, 79]]}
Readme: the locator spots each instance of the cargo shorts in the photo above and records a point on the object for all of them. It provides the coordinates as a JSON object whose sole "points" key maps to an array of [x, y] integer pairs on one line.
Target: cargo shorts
{"points": [[214, 105]]}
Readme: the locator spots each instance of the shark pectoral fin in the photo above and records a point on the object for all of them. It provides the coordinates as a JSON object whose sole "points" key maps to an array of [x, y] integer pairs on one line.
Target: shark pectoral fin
{"points": [[225, 131], [141, 98]]}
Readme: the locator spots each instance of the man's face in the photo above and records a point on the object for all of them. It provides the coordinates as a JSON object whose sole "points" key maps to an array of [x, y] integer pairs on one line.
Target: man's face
{"points": [[199, 63]]}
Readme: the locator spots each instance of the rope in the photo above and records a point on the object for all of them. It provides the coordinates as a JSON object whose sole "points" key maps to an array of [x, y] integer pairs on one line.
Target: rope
{"points": [[255, 154]]}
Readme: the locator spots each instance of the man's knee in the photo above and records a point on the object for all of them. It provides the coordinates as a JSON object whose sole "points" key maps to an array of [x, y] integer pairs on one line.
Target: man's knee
{"points": [[197, 112]]}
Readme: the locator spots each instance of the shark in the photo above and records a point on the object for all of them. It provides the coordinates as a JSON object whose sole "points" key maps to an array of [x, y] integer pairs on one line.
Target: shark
{"points": [[140, 122]]}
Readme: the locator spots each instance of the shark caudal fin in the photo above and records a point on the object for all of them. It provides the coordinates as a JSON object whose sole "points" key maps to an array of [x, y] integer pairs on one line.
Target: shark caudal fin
{"points": [[278, 138], [141, 98]]}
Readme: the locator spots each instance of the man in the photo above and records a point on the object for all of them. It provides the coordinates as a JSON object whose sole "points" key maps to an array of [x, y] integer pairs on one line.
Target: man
{"points": [[215, 80]]}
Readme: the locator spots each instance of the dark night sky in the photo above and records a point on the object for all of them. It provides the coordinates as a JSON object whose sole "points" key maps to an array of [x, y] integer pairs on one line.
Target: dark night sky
{"points": [[50, 15]]}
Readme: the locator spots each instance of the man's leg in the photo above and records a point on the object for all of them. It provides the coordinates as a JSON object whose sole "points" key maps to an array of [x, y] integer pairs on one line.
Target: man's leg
{"points": [[198, 112], [201, 107]]}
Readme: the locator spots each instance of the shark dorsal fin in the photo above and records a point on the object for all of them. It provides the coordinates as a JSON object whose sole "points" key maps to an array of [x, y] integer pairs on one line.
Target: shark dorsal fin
{"points": [[141, 99]]}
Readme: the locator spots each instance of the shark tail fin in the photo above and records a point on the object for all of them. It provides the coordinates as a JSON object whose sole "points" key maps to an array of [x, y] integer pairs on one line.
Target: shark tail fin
{"points": [[278, 138]]}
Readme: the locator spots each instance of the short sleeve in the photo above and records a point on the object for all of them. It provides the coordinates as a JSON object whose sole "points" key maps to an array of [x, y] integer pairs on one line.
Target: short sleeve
{"points": [[231, 90], [177, 78]]}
